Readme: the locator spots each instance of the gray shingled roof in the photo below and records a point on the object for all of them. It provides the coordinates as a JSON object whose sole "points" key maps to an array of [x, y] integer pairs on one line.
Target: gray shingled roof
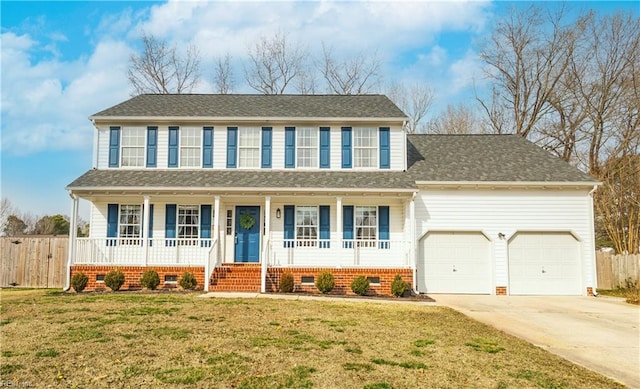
{"points": [[233, 178], [289, 106], [485, 158]]}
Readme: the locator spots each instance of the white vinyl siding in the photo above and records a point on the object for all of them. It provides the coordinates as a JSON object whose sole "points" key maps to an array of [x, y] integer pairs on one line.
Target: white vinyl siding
{"points": [[508, 212]]}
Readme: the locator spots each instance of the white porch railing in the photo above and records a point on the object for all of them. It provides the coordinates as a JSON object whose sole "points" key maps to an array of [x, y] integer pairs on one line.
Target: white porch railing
{"points": [[132, 252], [339, 253]]}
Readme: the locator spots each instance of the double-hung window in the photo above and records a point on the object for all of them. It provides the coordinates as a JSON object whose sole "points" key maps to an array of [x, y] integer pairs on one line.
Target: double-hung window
{"points": [[365, 147], [190, 143], [307, 147], [366, 224], [307, 226], [188, 224], [130, 223], [133, 143], [249, 147]]}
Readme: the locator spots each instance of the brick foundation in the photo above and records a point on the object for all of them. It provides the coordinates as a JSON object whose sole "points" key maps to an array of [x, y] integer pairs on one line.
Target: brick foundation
{"points": [[501, 290], [343, 278], [132, 275], [589, 291]]}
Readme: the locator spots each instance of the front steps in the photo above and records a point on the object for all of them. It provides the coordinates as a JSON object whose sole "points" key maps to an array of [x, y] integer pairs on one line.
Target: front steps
{"points": [[236, 277]]}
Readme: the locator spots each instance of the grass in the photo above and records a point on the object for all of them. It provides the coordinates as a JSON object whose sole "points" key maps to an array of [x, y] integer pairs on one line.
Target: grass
{"points": [[631, 294], [105, 340]]}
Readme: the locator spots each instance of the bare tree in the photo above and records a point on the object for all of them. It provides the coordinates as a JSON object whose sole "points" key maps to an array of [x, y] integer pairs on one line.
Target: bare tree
{"points": [[526, 59], [161, 69], [415, 101], [6, 209], [456, 119], [356, 75], [274, 63], [223, 80]]}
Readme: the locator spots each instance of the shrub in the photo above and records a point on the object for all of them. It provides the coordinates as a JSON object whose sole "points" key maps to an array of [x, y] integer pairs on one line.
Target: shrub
{"points": [[79, 281], [286, 283], [398, 286], [325, 282], [150, 279], [114, 279], [188, 281], [633, 296], [360, 285]]}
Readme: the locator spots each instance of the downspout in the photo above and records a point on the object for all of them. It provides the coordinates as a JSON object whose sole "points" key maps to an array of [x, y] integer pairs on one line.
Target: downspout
{"points": [[72, 239], [593, 241], [96, 141], [412, 247]]}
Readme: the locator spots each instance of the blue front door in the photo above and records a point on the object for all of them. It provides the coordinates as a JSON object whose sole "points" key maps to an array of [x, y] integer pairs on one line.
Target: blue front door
{"points": [[247, 234]]}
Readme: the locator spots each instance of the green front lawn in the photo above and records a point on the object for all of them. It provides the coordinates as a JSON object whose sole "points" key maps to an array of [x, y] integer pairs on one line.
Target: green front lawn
{"points": [[172, 339]]}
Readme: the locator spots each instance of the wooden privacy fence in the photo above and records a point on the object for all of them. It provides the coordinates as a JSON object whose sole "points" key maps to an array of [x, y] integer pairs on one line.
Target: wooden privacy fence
{"points": [[33, 261], [614, 270]]}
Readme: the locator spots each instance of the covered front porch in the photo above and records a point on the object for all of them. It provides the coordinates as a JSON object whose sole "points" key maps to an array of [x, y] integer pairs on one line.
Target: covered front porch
{"points": [[271, 230]]}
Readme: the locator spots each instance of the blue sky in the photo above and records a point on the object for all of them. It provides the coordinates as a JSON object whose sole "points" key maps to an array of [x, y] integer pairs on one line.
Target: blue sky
{"points": [[63, 61]]}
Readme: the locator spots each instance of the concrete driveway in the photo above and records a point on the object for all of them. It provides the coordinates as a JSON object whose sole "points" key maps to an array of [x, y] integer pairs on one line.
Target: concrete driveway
{"points": [[599, 333]]}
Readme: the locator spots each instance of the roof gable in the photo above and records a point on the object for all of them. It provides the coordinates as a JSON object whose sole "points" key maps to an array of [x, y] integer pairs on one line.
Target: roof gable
{"points": [[254, 106]]}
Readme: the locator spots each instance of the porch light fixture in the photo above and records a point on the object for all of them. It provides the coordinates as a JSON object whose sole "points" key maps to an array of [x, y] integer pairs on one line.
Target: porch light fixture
{"points": [[278, 213]]}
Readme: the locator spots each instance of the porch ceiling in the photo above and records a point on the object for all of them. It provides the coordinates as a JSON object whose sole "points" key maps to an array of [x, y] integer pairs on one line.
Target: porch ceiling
{"points": [[238, 180]]}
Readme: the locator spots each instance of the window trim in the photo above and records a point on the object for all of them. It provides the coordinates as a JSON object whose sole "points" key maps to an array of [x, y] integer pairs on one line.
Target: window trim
{"points": [[187, 240], [130, 240], [302, 241]]}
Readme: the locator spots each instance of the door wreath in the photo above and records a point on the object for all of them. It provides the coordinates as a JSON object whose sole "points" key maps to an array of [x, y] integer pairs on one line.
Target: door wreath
{"points": [[247, 221]]}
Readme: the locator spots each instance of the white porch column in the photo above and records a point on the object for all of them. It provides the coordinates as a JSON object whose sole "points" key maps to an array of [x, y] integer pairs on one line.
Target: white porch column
{"points": [[412, 241], [73, 227], [339, 220], [208, 267], [146, 214], [267, 236]]}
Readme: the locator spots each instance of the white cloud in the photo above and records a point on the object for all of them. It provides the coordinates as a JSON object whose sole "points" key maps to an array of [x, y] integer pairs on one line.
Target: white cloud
{"points": [[46, 99]]}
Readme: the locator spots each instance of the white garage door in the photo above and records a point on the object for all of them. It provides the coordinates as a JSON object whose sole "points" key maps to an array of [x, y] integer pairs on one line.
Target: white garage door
{"points": [[455, 262], [544, 264]]}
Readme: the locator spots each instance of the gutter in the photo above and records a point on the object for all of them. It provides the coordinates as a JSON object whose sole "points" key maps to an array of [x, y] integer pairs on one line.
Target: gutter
{"points": [[237, 119], [508, 184], [218, 189]]}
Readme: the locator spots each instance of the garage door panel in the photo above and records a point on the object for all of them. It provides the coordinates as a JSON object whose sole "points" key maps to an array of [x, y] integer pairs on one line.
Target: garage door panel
{"points": [[455, 262], [544, 263]]}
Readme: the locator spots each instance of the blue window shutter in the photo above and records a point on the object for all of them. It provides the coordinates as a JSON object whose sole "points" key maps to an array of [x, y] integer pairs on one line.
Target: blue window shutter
{"points": [[385, 149], [232, 146], [152, 146], [289, 224], [325, 148], [266, 147], [207, 147], [170, 221], [347, 222], [383, 222], [173, 146], [114, 146], [325, 227], [346, 147], [112, 221], [150, 234], [205, 225], [289, 147]]}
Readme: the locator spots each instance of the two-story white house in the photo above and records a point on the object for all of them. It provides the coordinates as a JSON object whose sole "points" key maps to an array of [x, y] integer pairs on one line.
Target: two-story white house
{"points": [[239, 189]]}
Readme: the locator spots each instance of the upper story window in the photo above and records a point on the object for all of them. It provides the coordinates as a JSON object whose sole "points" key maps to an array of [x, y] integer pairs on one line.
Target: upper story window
{"points": [[249, 147], [365, 147], [307, 147], [190, 142], [132, 144]]}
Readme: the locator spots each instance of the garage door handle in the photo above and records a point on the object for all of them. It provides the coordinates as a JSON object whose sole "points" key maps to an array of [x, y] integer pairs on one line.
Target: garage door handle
{"points": [[454, 269], [543, 271]]}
